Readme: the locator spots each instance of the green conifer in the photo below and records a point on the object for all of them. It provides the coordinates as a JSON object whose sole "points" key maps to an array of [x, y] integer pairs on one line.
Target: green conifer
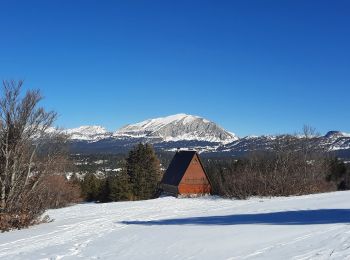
{"points": [[143, 169]]}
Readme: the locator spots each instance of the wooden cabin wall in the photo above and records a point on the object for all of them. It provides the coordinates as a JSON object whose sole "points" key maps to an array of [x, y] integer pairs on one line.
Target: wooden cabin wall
{"points": [[194, 180]]}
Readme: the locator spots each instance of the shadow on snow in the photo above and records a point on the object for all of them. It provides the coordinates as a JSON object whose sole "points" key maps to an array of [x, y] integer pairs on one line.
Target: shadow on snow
{"points": [[302, 217]]}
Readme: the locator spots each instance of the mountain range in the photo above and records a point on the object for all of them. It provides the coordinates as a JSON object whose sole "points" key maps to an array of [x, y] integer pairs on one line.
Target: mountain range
{"points": [[186, 132]]}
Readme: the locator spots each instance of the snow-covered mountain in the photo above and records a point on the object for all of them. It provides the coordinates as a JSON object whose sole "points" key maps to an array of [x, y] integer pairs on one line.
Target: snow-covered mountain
{"points": [[88, 133], [185, 131], [336, 141], [178, 127], [336, 134]]}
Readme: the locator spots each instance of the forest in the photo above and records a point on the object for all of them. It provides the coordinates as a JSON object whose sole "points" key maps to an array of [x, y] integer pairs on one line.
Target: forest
{"points": [[282, 172]]}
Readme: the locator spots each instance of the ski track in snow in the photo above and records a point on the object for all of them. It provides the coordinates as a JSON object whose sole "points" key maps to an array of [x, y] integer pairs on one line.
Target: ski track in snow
{"points": [[102, 231]]}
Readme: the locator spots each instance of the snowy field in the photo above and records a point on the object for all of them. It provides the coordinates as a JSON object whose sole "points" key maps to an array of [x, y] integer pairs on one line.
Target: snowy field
{"points": [[306, 227]]}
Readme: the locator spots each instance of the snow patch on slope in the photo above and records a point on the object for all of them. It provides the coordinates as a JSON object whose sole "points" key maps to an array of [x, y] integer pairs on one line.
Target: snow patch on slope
{"points": [[345, 134], [157, 123]]}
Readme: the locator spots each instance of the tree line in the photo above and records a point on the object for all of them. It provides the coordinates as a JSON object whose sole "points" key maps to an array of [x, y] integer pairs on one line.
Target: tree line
{"points": [[295, 166], [137, 180]]}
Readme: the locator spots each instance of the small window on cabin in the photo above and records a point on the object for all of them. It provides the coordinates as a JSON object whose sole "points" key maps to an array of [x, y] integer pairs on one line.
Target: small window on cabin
{"points": [[195, 161]]}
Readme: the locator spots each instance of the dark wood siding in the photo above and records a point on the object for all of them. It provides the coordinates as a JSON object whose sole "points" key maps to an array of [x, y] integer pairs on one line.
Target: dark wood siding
{"points": [[194, 181]]}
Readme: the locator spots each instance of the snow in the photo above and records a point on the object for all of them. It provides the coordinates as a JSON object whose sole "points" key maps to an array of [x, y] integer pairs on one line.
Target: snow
{"points": [[305, 227], [113, 170], [100, 161], [337, 148], [345, 134], [251, 137], [88, 130], [88, 133], [179, 127], [157, 123], [199, 137], [152, 127]]}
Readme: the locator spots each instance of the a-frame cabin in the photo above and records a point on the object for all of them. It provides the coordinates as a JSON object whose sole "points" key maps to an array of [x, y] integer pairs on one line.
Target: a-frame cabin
{"points": [[186, 176]]}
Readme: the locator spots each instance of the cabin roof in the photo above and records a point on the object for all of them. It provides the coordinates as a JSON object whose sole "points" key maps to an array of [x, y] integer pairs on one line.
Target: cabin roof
{"points": [[178, 167]]}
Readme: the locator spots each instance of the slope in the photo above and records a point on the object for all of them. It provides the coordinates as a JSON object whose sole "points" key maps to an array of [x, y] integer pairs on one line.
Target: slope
{"points": [[305, 227]]}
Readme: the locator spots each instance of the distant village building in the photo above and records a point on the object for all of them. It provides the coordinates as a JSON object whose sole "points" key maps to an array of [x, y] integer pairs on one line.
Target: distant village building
{"points": [[186, 175]]}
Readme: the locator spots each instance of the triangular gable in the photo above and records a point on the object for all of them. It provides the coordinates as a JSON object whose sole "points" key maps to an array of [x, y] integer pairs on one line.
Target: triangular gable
{"points": [[178, 167], [200, 167], [205, 172]]}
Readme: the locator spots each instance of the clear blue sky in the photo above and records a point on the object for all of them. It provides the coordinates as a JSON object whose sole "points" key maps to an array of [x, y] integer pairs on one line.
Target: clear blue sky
{"points": [[254, 67]]}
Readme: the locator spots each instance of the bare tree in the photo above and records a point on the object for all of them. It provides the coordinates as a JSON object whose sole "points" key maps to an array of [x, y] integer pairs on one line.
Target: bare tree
{"points": [[295, 165], [28, 152], [309, 132]]}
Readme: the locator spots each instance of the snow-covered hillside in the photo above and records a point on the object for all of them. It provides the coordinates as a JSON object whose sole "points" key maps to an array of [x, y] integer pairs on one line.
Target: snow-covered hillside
{"points": [[83, 133], [305, 227], [88, 133], [178, 127]]}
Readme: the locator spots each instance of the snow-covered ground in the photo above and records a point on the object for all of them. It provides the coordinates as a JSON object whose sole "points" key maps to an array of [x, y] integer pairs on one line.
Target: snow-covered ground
{"points": [[305, 227]]}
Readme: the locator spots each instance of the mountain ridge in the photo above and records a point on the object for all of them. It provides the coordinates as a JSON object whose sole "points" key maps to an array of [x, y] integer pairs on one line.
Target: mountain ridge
{"points": [[178, 127], [170, 128], [185, 131]]}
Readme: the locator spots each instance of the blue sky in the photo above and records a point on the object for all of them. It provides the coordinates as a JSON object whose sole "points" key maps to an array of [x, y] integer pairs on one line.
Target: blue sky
{"points": [[254, 67]]}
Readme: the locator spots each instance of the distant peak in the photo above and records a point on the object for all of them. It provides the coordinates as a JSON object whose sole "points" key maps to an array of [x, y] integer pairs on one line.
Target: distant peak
{"points": [[175, 117], [178, 127], [89, 128], [331, 134], [87, 132]]}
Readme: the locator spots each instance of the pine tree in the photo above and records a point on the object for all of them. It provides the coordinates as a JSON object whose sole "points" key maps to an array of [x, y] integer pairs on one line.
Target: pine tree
{"points": [[104, 190], [143, 169], [90, 187], [119, 187]]}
